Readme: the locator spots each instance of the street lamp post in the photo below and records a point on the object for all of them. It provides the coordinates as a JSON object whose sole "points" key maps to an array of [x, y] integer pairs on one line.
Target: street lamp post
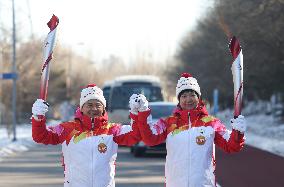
{"points": [[14, 92]]}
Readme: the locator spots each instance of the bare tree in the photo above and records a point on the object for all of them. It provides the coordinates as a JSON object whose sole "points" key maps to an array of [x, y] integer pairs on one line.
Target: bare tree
{"points": [[258, 25]]}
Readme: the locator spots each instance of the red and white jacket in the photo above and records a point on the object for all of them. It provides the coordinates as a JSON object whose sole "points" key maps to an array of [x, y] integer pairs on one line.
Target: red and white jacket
{"points": [[190, 137], [89, 148]]}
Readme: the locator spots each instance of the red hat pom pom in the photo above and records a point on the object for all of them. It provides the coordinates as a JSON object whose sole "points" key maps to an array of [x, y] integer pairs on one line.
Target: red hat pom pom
{"points": [[91, 85], [186, 75]]}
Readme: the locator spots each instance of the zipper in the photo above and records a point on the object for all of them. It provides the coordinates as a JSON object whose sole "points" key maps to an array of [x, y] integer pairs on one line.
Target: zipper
{"points": [[189, 122], [92, 167], [93, 124], [189, 147], [92, 149]]}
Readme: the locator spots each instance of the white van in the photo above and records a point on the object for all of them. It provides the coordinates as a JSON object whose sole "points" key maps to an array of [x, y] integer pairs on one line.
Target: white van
{"points": [[118, 91]]}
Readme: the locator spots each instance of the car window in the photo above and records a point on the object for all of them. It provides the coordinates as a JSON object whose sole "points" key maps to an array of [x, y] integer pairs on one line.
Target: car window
{"points": [[159, 111], [106, 92], [120, 95]]}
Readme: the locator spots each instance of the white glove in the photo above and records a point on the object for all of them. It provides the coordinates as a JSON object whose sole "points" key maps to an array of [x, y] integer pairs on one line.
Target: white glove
{"points": [[239, 124], [40, 107], [143, 103], [138, 102], [134, 104]]}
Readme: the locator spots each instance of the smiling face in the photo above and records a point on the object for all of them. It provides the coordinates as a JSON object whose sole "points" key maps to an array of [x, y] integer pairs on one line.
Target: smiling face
{"points": [[188, 100], [93, 108]]}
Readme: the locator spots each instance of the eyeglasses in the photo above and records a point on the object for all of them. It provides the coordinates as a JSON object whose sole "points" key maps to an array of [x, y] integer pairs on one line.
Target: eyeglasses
{"points": [[97, 106]]}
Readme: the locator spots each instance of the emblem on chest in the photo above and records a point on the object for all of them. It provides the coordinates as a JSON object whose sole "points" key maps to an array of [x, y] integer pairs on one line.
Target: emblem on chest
{"points": [[200, 140], [203, 133], [102, 147]]}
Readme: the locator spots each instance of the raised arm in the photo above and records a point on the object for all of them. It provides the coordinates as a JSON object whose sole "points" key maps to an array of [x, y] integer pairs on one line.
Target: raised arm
{"points": [[151, 133], [42, 134], [231, 141], [127, 135]]}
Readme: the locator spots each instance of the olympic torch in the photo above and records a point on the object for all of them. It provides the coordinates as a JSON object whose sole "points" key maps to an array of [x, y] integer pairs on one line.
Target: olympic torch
{"points": [[47, 56], [237, 71]]}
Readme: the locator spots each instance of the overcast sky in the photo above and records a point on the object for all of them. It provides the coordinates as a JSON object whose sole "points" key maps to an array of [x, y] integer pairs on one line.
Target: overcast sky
{"points": [[125, 28]]}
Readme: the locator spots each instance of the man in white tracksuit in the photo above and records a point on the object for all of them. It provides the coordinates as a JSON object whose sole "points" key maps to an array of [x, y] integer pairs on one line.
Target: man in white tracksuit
{"points": [[89, 142]]}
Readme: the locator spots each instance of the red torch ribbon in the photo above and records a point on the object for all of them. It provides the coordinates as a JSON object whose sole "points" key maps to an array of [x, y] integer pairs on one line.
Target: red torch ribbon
{"points": [[237, 71], [47, 56]]}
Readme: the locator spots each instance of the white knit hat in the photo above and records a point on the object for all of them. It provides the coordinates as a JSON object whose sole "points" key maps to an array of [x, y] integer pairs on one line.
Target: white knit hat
{"points": [[92, 92], [187, 82]]}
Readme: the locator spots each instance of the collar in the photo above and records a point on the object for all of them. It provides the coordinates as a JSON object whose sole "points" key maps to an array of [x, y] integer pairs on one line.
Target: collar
{"points": [[87, 123], [194, 114]]}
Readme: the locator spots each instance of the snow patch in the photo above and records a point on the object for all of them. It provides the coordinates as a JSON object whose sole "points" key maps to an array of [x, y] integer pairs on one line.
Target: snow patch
{"points": [[271, 145], [23, 143], [13, 148], [263, 131]]}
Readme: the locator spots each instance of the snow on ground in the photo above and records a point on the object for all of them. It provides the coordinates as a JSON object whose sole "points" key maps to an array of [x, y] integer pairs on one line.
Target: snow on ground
{"points": [[24, 140], [263, 132], [23, 143]]}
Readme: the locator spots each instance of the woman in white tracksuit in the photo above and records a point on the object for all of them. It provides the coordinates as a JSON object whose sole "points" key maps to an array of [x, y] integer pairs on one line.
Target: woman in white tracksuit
{"points": [[190, 135]]}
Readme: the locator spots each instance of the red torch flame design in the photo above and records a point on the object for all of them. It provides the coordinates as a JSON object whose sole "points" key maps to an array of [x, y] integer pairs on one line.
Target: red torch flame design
{"points": [[49, 45], [237, 71]]}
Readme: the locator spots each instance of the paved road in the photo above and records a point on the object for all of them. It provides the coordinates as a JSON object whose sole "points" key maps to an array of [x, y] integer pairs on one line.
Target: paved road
{"points": [[40, 167], [249, 168], [139, 172]]}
